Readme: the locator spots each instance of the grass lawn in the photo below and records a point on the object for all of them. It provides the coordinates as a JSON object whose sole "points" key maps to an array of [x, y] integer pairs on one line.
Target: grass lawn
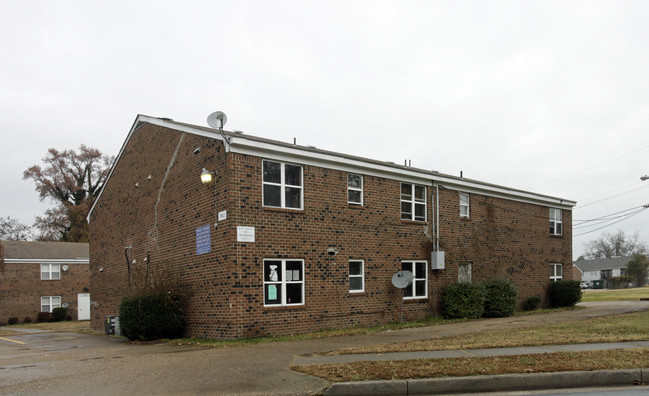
{"points": [[434, 368], [73, 326], [634, 294], [618, 328]]}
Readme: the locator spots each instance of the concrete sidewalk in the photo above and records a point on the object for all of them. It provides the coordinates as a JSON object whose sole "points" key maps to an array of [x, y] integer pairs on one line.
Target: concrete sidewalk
{"points": [[467, 353], [492, 383], [485, 383]]}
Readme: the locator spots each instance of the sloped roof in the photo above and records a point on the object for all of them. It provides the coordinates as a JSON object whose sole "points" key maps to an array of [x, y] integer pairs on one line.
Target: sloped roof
{"points": [[600, 264], [248, 144], [21, 250]]}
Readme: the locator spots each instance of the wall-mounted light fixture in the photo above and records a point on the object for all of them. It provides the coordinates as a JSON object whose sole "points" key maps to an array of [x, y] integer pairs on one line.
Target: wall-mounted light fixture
{"points": [[207, 176]]}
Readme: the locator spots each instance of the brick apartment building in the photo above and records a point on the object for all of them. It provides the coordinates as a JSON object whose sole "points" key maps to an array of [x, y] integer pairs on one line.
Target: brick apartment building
{"points": [[289, 239], [40, 276]]}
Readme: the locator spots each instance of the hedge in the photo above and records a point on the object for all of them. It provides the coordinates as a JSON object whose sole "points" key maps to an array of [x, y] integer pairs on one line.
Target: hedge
{"points": [[152, 315], [564, 293], [500, 298], [463, 300]]}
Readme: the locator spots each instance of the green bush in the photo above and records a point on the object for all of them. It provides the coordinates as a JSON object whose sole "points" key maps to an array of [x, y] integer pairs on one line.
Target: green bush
{"points": [[500, 298], [564, 293], [58, 314], [463, 300], [152, 315], [13, 320], [43, 317], [532, 303]]}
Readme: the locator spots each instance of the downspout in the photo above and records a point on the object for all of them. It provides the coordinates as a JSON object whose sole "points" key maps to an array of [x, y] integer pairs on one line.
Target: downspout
{"points": [[436, 220]]}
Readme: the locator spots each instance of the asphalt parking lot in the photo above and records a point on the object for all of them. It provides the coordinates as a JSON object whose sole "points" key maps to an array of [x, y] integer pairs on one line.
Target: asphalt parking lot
{"points": [[37, 363]]}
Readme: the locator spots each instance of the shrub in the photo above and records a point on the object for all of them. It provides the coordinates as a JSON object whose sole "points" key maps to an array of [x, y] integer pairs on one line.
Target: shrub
{"points": [[463, 300], [58, 314], [43, 317], [532, 303], [152, 315], [564, 293], [13, 321], [27, 319], [500, 298]]}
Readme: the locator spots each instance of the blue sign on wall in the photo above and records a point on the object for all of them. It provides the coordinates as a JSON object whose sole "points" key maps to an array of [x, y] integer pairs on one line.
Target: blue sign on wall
{"points": [[203, 240]]}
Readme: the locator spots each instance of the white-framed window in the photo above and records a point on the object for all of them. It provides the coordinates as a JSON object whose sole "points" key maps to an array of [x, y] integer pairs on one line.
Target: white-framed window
{"points": [[354, 189], [556, 221], [418, 288], [282, 185], [283, 282], [50, 271], [464, 204], [413, 202], [356, 276], [464, 272], [556, 272], [48, 303]]}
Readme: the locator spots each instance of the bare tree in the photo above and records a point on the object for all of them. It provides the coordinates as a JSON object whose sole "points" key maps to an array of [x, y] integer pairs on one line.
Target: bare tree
{"points": [[617, 244], [73, 179], [13, 230]]}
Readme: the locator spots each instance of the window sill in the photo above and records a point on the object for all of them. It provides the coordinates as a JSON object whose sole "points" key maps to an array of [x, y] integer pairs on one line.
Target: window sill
{"points": [[357, 293], [414, 221], [414, 300], [284, 307], [283, 210], [556, 235]]}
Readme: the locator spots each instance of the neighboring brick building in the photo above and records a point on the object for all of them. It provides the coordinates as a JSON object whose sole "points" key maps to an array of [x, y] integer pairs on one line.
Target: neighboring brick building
{"points": [[291, 238], [40, 276]]}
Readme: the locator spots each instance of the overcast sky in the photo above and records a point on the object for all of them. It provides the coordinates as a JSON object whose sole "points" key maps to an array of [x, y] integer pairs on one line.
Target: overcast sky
{"points": [[546, 96]]}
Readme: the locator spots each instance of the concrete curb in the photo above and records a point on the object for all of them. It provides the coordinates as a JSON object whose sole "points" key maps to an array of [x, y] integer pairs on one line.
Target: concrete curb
{"points": [[491, 383]]}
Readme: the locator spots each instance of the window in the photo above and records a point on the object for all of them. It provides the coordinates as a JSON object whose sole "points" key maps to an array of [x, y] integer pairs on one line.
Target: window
{"points": [[354, 189], [356, 276], [48, 303], [464, 205], [283, 282], [555, 221], [413, 202], [556, 272], [50, 271], [282, 185], [464, 273], [605, 274], [419, 286]]}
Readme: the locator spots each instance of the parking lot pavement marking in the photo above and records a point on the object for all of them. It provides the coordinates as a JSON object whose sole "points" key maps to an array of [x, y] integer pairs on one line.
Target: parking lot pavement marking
{"points": [[6, 339]]}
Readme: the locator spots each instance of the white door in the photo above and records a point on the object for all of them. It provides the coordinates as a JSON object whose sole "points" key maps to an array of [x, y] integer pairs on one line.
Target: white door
{"points": [[83, 306]]}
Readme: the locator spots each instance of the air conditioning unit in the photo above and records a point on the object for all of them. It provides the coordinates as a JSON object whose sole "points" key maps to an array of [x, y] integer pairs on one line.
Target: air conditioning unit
{"points": [[437, 260]]}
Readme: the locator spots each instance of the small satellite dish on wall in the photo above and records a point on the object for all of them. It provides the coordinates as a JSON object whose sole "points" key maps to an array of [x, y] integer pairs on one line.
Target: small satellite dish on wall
{"points": [[64, 267], [217, 120], [402, 279]]}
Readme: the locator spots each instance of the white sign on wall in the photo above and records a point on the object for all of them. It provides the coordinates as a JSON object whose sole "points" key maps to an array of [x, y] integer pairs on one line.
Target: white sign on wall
{"points": [[223, 215], [245, 234]]}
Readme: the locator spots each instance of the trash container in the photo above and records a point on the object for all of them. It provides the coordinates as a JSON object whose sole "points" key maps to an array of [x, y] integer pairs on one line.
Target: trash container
{"points": [[111, 325], [598, 284]]}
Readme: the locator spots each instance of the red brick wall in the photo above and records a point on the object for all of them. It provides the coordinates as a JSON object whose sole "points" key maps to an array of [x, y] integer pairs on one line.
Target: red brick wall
{"points": [[225, 287], [21, 289]]}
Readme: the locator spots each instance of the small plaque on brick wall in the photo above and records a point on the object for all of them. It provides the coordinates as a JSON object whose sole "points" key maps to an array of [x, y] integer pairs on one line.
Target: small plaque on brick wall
{"points": [[203, 240], [245, 234]]}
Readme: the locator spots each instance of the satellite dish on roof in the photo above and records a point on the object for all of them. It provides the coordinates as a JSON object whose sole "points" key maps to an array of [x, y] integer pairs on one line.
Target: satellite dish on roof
{"points": [[402, 279], [217, 120]]}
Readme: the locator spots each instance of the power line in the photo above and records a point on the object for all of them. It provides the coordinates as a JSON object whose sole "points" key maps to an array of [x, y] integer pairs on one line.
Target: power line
{"points": [[592, 167], [641, 209], [612, 196]]}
